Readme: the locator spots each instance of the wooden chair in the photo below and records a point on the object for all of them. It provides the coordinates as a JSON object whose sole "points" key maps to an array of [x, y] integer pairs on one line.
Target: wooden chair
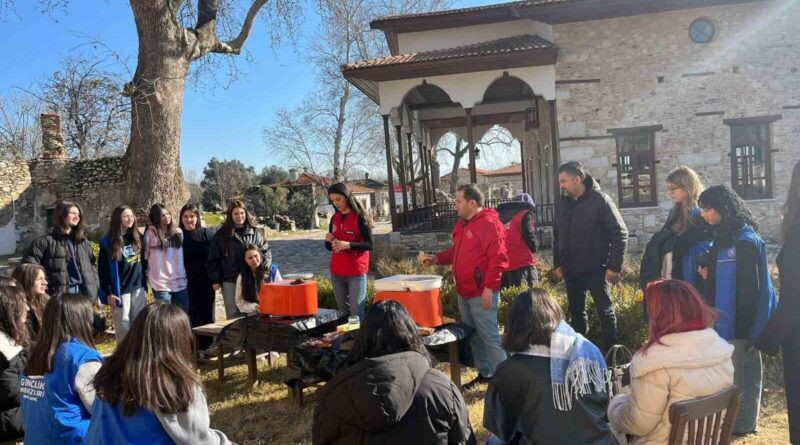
{"points": [[705, 420]]}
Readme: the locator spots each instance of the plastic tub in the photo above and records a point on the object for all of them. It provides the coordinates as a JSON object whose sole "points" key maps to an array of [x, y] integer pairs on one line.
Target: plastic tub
{"points": [[408, 283], [283, 298], [425, 307]]}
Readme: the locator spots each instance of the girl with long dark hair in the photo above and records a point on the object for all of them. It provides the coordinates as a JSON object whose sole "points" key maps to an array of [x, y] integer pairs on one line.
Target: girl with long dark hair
{"points": [[227, 251], [783, 330], [350, 240], [738, 284], [56, 389], [121, 271], [683, 359], [248, 284], [163, 251], [390, 393], [31, 279], [65, 254], [552, 388], [196, 244], [13, 357], [148, 390]]}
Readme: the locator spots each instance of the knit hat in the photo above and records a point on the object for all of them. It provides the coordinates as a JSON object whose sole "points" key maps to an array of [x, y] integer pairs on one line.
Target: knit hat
{"points": [[524, 197]]}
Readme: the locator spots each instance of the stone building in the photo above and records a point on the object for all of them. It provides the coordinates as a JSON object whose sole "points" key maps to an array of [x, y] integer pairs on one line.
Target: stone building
{"points": [[30, 189], [630, 88]]}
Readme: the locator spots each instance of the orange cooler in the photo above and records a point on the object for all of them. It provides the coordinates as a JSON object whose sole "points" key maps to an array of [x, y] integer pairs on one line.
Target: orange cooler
{"points": [[282, 298], [424, 306]]}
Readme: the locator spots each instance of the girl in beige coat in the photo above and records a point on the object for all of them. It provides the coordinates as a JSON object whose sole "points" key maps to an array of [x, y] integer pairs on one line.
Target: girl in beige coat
{"points": [[684, 359]]}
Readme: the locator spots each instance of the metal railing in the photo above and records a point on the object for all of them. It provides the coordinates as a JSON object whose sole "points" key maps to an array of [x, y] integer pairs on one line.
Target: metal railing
{"points": [[442, 217]]}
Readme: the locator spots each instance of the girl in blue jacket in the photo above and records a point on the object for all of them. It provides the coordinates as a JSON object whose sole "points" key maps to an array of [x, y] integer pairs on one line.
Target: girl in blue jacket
{"points": [[148, 391], [55, 391], [121, 271], [738, 284]]}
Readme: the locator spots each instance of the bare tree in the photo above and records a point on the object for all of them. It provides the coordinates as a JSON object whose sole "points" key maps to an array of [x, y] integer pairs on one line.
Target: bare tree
{"points": [[88, 96], [344, 127], [496, 143], [20, 132], [176, 37]]}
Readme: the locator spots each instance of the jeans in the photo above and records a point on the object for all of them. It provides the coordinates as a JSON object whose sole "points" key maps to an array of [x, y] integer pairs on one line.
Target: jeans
{"points": [[229, 298], [132, 304], [350, 293], [485, 341], [596, 284], [180, 298], [747, 375]]}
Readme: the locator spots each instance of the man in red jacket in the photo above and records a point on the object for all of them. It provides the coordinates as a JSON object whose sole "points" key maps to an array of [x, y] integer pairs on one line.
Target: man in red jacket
{"points": [[479, 258]]}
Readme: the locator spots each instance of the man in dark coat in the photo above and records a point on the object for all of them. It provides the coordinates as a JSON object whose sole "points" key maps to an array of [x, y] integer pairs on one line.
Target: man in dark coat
{"points": [[590, 239]]}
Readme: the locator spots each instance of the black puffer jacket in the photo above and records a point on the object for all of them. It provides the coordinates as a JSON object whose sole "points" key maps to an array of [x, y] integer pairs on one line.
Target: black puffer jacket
{"points": [[394, 399], [12, 362], [227, 265], [589, 233], [50, 251]]}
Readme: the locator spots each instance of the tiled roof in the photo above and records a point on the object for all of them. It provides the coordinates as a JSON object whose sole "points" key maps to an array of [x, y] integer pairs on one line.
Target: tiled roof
{"points": [[515, 5], [516, 44], [513, 169], [305, 179], [355, 188], [480, 171]]}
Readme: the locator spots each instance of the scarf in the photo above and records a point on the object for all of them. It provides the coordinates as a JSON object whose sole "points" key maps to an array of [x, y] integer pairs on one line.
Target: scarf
{"points": [[577, 367]]}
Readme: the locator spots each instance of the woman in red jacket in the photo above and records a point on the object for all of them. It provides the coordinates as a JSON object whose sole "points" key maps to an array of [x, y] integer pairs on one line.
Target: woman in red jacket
{"points": [[350, 239]]}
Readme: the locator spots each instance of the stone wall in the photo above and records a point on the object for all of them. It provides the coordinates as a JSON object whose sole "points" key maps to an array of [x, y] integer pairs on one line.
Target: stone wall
{"points": [[14, 181], [645, 70], [29, 190]]}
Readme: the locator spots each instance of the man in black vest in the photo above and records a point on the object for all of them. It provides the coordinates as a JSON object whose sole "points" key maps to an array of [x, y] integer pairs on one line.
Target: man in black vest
{"points": [[590, 239]]}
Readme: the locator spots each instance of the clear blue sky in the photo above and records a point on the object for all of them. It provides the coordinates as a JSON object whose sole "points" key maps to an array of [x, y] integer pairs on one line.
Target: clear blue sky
{"points": [[226, 123]]}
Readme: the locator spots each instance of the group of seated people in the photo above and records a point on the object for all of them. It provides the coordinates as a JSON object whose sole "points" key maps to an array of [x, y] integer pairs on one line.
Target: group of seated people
{"points": [[552, 389], [57, 388]]}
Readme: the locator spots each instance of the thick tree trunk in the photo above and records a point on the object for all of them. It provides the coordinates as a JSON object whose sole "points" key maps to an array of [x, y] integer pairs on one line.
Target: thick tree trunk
{"points": [[156, 92]]}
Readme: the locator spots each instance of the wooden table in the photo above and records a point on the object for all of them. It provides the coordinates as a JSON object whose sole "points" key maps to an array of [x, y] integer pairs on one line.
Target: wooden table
{"points": [[279, 334], [213, 330]]}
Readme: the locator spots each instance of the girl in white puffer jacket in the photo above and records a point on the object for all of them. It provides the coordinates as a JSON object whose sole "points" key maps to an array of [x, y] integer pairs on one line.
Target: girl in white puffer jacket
{"points": [[684, 359]]}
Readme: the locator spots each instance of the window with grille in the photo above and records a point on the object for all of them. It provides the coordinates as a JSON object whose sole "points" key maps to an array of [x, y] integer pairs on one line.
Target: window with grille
{"points": [[636, 172], [751, 163]]}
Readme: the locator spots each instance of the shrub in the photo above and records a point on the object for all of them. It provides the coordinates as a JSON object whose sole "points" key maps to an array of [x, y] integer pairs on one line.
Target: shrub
{"points": [[301, 209], [327, 299], [626, 298]]}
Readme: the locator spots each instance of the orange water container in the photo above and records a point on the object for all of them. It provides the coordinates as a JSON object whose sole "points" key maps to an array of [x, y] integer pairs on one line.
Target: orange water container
{"points": [[424, 306], [283, 298]]}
